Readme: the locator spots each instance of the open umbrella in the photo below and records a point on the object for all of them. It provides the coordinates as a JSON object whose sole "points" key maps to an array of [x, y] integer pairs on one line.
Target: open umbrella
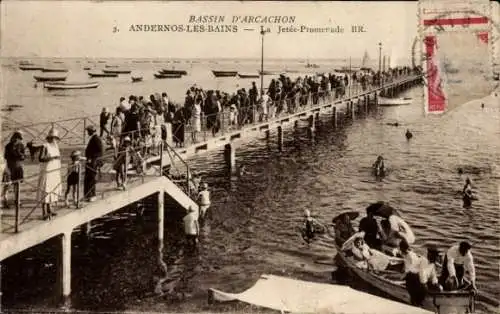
{"points": [[382, 209], [352, 215]]}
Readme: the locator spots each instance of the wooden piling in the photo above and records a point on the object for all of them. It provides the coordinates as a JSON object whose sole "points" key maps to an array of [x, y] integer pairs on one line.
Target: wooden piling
{"points": [[280, 138]]}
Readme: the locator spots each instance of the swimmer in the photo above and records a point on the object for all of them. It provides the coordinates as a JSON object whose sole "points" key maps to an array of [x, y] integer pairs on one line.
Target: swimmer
{"points": [[408, 135], [378, 166], [467, 194], [482, 105], [460, 171], [393, 124], [311, 227]]}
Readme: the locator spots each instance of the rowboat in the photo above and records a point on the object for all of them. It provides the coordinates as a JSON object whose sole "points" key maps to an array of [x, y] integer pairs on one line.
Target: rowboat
{"points": [[117, 71], [30, 67], [71, 85], [136, 78], [224, 73], [49, 78], [268, 73], [24, 62], [248, 75], [111, 66], [389, 281], [382, 101], [165, 76], [166, 71], [54, 70], [86, 68], [102, 74]]}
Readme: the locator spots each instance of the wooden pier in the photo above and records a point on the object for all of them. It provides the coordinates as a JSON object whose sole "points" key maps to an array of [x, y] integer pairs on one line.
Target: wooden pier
{"points": [[166, 172]]}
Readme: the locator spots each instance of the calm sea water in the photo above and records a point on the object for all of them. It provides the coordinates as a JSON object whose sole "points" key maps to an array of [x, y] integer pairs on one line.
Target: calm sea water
{"points": [[254, 225]]}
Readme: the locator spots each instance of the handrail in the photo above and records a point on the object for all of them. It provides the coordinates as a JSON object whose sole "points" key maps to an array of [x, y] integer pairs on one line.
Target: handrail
{"points": [[164, 147]]}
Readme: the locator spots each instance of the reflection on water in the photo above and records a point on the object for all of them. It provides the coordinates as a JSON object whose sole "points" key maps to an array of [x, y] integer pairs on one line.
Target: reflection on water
{"points": [[252, 229]]}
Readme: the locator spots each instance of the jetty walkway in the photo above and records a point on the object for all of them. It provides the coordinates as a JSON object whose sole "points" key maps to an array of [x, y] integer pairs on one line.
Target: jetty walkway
{"points": [[164, 172]]}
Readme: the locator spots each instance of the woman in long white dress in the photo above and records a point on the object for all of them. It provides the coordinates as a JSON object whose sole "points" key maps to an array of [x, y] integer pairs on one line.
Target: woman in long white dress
{"points": [[49, 182]]}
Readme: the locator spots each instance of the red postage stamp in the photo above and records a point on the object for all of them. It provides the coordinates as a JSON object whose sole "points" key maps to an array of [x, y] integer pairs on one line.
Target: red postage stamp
{"points": [[458, 48]]}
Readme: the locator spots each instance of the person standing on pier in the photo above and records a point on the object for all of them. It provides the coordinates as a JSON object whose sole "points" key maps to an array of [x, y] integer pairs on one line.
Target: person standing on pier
{"points": [[49, 181], [196, 121], [93, 153], [14, 155], [103, 121], [467, 194]]}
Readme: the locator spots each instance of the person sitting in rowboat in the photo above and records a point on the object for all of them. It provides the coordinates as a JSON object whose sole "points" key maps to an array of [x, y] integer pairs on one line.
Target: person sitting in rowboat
{"points": [[361, 253], [390, 238], [343, 229], [370, 227], [411, 274], [457, 261], [427, 273]]}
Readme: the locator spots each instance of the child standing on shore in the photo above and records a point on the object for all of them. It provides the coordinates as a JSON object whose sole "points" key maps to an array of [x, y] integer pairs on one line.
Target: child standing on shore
{"points": [[73, 176]]}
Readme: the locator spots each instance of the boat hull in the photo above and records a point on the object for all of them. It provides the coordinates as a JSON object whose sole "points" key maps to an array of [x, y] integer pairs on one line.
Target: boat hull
{"points": [[54, 70], [225, 73], [103, 74], [248, 75], [114, 71], [61, 86], [399, 292], [39, 78], [167, 76], [393, 101], [136, 79], [30, 67], [176, 72]]}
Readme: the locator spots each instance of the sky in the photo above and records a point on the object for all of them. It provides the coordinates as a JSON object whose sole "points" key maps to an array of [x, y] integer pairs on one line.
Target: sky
{"points": [[85, 29]]}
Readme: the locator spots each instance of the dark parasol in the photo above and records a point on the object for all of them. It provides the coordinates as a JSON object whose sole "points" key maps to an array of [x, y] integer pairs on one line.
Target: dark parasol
{"points": [[382, 209], [352, 215]]}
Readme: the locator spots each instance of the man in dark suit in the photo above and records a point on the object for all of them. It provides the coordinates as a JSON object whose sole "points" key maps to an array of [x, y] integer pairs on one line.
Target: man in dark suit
{"points": [[93, 153]]}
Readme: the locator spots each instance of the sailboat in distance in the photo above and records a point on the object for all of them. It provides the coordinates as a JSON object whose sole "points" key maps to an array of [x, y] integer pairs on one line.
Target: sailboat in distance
{"points": [[365, 62]]}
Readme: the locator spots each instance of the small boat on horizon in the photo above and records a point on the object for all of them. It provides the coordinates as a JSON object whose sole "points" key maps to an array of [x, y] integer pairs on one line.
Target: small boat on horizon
{"points": [[50, 78], [167, 71], [30, 67], [54, 70], [136, 79], [24, 62], [111, 66], [71, 85], [86, 68], [225, 73], [167, 75], [102, 74], [248, 75], [117, 71], [382, 101]]}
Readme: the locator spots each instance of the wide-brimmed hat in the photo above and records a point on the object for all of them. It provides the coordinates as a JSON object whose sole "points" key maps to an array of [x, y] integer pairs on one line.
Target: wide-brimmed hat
{"points": [[127, 139], [76, 154], [53, 133], [91, 128]]}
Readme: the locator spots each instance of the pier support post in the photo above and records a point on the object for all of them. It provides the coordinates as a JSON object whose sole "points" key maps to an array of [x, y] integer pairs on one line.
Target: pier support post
{"points": [[86, 229], [280, 138], [230, 157], [353, 114], [64, 269], [334, 117], [268, 135], [311, 127], [161, 218], [375, 100], [366, 103]]}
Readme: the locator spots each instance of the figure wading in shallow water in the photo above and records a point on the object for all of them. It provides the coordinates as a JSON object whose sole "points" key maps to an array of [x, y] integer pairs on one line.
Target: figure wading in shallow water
{"points": [[311, 228], [379, 167]]}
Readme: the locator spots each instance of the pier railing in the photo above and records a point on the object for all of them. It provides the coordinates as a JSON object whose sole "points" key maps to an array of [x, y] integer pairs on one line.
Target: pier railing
{"points": [[30, 195]]}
